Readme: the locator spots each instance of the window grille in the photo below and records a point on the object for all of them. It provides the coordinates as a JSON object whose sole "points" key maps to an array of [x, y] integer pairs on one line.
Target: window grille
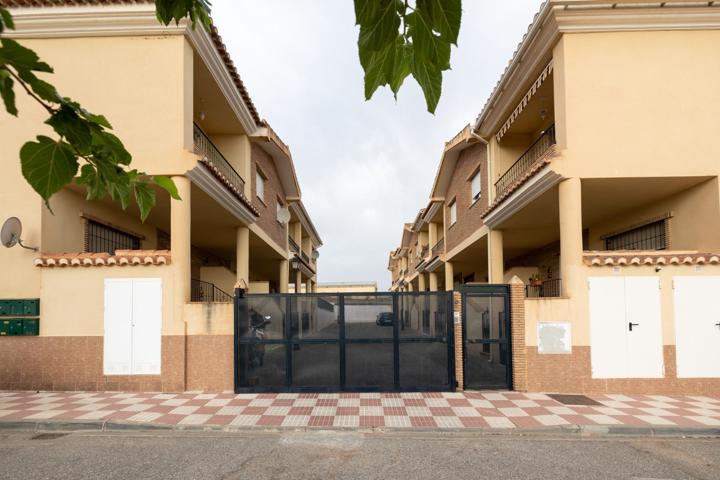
{"points": [[652, 236], [102, 238]]}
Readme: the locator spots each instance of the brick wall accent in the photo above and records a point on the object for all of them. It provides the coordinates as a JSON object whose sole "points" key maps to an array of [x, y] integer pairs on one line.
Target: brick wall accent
{"points": [[457, 313], [571, 373], [76, 363], [210, 363], [468, 214], [273, 189], [517, 333]]}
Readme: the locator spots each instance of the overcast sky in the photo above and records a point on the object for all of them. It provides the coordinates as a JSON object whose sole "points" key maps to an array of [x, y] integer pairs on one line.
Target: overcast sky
{"points": [[365, 168]]}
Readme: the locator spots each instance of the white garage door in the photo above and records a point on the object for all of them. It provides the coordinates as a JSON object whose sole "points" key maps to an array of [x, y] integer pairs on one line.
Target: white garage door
{"points": [[133, 319], [625, 327], [697, 326]]}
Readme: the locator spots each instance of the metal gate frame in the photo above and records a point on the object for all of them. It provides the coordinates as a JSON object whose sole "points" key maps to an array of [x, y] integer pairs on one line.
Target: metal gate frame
{"points": [[342, 342], [488, 290]]}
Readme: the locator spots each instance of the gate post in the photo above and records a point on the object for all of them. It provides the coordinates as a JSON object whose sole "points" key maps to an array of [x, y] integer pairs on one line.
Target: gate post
{"points": [[458, 341], [517, 334]]}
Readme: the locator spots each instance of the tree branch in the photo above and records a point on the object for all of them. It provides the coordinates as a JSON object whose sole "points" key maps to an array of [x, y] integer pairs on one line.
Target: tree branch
{"points": [[29, 91]]}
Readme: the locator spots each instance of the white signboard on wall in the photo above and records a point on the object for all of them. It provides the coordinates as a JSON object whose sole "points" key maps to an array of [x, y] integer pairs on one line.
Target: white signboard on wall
{"points": [[554, 337]]}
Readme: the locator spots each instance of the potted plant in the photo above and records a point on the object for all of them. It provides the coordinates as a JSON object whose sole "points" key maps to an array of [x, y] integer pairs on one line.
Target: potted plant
{"points": [[535, 280]]}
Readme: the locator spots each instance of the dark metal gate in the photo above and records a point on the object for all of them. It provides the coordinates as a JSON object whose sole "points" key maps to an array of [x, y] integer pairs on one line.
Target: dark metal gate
{"points": [[344, 342], [487, 359]]}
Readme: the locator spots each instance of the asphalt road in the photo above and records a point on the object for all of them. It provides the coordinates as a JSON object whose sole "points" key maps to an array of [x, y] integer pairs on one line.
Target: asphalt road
{"points": [[352, 455]]}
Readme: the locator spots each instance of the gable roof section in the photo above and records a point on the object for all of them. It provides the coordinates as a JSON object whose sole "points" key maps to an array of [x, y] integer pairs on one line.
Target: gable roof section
{"points": [[451, 152]]}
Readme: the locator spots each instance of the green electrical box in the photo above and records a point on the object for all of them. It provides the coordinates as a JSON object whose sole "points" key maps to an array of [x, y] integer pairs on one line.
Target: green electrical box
{"points": [[31, 326], [31, 308], [17, 307], [16, 326], [4, 327]]}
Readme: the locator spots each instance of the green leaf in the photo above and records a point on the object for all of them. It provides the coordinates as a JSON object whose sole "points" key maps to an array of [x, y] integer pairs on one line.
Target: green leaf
{"points": [[145, 198], [389, 66], [6, 20], [68, 124], [168, 185], [7, 93], [379, 24], [21, 58], [175, 10], [430, 80], [48, 165], [108, 145], [444, 16], [427, 46], [90, 178], [41, 88]]}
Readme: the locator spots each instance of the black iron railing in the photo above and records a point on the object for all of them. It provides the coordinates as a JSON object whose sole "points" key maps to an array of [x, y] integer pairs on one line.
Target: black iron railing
{"points": [[544, 289], [207, 292], [438, 248], [526, 160], [305, 257], [293, 245], [212, 156]]}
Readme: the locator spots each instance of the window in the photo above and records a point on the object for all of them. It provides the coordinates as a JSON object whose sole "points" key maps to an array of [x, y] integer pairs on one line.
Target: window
{"points": [[476, 187], [651, 236], [453, 212], [103, 238], [260, 185]]}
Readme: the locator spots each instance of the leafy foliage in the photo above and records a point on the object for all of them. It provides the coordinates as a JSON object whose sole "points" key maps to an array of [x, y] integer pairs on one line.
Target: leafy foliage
{"points": [[85, 143], [397, 40], [175, 10]]}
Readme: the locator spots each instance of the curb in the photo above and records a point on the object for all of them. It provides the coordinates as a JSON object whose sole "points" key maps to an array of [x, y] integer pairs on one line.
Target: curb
{"points": [[565, 430]]}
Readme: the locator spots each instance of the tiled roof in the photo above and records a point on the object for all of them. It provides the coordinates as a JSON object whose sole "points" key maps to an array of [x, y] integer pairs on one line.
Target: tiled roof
{"points": [[527, 175], [230, 186], [653, 257], [217, 40], [121, 258]]}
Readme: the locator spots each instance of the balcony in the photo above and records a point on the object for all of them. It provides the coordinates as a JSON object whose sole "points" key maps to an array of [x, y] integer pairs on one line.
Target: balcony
{"points": [[212, 157], [207, 292], [550, 288], [526, 160], [294, 248], [438, 248], [305, 257]]}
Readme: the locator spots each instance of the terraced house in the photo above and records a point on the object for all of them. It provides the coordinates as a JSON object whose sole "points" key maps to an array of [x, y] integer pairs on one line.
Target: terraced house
{"points": [[145, 306], [591, 176]]}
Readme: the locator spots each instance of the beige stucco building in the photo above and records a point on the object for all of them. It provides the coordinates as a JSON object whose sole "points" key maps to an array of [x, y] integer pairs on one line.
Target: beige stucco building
{"points": [[592, 175], [176, 100]]}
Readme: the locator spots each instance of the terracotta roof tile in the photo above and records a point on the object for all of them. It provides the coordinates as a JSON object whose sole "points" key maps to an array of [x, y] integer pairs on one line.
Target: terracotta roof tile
{"points": [[121, 258], [217, 40], [229, 185], [651, 257]]}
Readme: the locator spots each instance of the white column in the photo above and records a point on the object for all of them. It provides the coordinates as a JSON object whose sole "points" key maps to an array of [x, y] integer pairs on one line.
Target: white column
{"points": [[242, 254], [496, 262], [449, 274], [284, 276]]}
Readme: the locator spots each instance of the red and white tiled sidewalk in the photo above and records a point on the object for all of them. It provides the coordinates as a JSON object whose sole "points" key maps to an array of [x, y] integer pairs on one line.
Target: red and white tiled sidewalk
{"points": [[491, 410]]}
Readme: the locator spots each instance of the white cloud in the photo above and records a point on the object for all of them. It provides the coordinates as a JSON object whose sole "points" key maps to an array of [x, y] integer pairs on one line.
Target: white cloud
{"points": [[365, 168]]}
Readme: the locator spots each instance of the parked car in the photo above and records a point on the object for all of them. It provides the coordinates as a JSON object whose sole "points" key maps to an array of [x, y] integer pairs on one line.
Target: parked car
{"points": [[384, 319]]}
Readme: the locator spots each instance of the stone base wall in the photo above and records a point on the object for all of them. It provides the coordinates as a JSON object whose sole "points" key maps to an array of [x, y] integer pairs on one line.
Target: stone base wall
{"points": [[76, 364], [571, 373]]}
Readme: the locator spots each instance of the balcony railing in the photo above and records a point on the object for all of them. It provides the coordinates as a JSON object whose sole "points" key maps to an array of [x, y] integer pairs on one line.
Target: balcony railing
{"points": [[438, 248], [211, 155], [544, 289], [293, 245], [207, 292], [305, 257], [526, 160]]}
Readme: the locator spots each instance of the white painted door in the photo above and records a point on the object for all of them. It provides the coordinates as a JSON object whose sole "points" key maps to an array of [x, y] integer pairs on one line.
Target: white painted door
{"points": [[697, 334], [133, 318], [644, 340], [117, 341], [616, 351], [146, 326], [608, 342]]}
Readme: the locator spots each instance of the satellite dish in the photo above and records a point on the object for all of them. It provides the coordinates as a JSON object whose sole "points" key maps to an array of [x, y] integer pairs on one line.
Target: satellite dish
{"points": [[10, 234], [315, 254], [283, 215]]}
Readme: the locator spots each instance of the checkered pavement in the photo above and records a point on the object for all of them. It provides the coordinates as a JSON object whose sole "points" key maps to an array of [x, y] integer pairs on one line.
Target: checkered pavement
{"points": [[490, 410]]}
